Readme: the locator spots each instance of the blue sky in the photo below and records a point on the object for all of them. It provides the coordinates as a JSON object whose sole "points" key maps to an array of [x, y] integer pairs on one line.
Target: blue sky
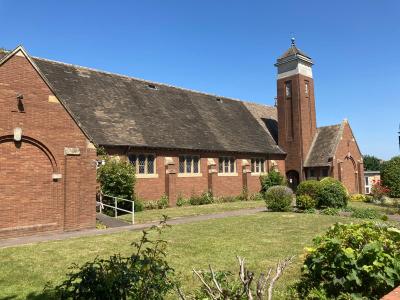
{"points": [[228, 47]]}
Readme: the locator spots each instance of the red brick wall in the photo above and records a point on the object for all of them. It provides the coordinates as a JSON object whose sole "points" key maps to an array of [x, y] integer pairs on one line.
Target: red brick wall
{"points": [[349, 170], [300, 112], [154, 188], [31, 201]]}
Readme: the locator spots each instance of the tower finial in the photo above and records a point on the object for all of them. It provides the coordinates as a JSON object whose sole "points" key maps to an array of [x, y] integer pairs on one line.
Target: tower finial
{"points": [[293, 41]]}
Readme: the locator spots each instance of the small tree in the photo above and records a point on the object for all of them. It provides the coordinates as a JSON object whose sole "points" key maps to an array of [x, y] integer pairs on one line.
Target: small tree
{"points": [[273, 178], [117, 178], [371, 163], [390, 175]]}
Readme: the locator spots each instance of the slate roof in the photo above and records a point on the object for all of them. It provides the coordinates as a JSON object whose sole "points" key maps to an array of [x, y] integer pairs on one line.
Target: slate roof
{"points": [[117, 110], [324, 146], [293, 50], [267, 117]]}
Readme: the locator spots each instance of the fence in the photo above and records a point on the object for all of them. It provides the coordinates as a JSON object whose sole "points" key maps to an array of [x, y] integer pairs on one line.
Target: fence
{"points": [[112, 202]]}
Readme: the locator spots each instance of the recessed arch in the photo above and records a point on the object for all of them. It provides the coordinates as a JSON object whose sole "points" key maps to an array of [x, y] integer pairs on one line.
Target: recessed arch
{"points": [[36, 143]]}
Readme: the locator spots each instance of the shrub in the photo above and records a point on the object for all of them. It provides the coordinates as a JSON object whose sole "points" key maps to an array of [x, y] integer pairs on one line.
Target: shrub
{"points": [[139, 206], [308, 187], [330, 211], [205, 198], [145, 274], [331, 193], [310, 211], [181, 201], [279, 198], [256, 197], [348, 209], [366, 213], [360, 260], [390, 174], [273, 178], [244, 195], [305, 202], [368, 199], [163, 202], [117, 178], [358, 198], [379, 191], [150, 204], [226, 199]]}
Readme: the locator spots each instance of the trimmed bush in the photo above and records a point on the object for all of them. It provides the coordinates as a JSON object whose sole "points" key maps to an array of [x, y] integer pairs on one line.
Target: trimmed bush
{"points": [[358, 260], [279, 198], [305, 202], [273, 178], [332, 193], [390, 175], [358, 198], [308, 187]]}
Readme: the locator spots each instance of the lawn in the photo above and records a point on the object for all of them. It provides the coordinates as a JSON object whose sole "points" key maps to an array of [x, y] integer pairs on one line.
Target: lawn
{"points": [[185, 211], [262, 238], [387, 208]]}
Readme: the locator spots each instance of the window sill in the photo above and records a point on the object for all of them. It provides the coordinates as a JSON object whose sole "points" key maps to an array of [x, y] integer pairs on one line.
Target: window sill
{"points": [[146, 175], [259, 174], [190, 175], [228, 174]]}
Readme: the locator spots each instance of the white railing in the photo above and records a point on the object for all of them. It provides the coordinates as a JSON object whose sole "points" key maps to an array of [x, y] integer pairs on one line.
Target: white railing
{"points": [[114, 201]]}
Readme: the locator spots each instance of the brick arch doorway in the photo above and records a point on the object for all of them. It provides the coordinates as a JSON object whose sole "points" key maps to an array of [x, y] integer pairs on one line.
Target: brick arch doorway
{"points": [[293, 179], [28, 195]]}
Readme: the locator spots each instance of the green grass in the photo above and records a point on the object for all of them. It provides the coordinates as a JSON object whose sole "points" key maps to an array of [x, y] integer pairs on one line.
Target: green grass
{"points": [[385, 209], [185, 211], [262, 239]]}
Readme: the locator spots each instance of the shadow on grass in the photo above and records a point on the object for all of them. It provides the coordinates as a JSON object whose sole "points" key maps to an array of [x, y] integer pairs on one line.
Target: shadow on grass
{"points": [[45, 295]]}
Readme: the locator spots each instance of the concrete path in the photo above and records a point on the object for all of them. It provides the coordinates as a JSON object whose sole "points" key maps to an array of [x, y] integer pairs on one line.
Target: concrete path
{"points": [[110, 222], [95, 232]]}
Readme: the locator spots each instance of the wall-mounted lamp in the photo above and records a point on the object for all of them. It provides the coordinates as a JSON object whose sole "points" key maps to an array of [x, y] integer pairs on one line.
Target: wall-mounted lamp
{"points": [[17, 134]]}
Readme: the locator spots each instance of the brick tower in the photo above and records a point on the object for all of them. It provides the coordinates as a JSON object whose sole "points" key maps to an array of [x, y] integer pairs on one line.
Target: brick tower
{"points": [[296, 110]]}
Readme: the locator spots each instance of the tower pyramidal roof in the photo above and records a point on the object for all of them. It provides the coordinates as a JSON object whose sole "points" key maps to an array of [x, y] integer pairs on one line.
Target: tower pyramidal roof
{"points": [[293, 51]]}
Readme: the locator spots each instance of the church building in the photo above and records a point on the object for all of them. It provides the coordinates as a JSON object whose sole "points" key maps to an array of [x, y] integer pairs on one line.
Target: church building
{"points": [[182, 142], [312, 152]]}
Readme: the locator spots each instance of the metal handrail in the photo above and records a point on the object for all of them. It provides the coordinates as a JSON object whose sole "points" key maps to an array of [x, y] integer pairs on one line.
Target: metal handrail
{"points": [[115, 206]]}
